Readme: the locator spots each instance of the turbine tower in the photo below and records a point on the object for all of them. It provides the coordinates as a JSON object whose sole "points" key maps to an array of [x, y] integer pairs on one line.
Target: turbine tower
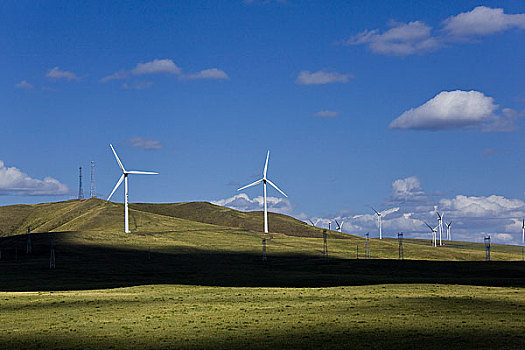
{"points": [[434, 231], [124, 177], [339, 226], [264, 180], [378, 222]]}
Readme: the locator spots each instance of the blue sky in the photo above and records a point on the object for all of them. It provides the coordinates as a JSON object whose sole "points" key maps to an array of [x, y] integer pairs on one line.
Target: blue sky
{"points": [[199, 90]]}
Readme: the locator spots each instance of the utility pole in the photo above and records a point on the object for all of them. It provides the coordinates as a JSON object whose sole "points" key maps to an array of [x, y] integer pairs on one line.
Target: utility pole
{"points": [[28, 248], [92, 193], [80, 190]]}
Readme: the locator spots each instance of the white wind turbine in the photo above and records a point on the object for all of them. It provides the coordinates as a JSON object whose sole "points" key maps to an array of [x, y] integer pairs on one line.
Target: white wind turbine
{"points": [[449, 236], [434, 231], [339, 226], [380, 215], [124, 177], [523, 232], [264, 180], [440, 225], [316, 222]]}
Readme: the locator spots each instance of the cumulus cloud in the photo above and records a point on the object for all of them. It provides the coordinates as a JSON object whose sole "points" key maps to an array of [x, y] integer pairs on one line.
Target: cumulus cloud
{"points": [[164, 66], [407, 189], [455, 110], [14, 181], [482, 21], [416, 37], [145, 143], [56, 74], [402, 39], [322, 77], [491, 206], [326, 114], [212, 73], [23, 85], [245, 203]]}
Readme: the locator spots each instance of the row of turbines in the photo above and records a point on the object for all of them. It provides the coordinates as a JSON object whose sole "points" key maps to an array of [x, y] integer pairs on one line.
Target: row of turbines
{"points": [[439, 229]]}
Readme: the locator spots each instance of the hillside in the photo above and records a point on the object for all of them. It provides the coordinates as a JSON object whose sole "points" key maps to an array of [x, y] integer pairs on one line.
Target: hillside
{"points": [[216, 215], [99, 215]]}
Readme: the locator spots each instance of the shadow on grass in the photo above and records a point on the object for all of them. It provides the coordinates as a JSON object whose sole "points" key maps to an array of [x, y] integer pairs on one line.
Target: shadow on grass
{"points": [[334, 337], [81, 267]]}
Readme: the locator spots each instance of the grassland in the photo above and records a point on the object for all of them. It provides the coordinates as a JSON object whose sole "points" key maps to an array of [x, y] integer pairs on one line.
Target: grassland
{"points": [[174, 316], [185, 280]]}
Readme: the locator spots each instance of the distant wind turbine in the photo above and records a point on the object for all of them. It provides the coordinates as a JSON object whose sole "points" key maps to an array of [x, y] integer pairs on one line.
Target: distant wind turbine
{"points": [[433, 229], [380, 215], [523, 232], [339, 226], [316, 222], [449, 236], [124, 177], [264, 180]]}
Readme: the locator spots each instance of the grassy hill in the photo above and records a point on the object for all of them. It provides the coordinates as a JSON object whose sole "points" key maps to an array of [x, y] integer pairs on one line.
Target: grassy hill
{"points": [[99, 215], [213, 214]]}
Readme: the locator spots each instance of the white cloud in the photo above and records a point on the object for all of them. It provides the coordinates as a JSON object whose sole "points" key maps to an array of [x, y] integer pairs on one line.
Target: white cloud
{"points": [[137, 85], [416, 37], [56, 73], [322, 77], [326, 114], [402, 39], [121, 74], [454, 110], [14, 181], [482, 21], [24, 85], [244, 203], [212, 73], [164, 66], [407, 189], [491, 206], [145, 143]]}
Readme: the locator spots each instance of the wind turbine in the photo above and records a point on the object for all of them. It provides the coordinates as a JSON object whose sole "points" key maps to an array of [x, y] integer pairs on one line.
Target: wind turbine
{"points": [[380, 215], [433, 234], [523, 232], [449, 236], [124, 177], [378, 222], [264, 180], [440, 225], [316, 222], [339, 226]]}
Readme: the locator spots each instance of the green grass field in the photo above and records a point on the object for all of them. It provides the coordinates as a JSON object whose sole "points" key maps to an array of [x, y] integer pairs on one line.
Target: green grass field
{"points": [[186, 280]]}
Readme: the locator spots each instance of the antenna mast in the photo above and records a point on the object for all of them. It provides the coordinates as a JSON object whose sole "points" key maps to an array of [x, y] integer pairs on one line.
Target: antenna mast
{"points": [[80, 190], [92, 189]]}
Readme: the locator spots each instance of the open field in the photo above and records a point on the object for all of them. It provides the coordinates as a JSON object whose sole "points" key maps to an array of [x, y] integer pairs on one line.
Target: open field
{"points": [[168, 316], [177, 282]]}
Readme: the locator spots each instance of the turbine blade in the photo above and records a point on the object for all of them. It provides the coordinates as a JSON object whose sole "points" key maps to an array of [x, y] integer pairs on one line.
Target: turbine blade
{"points": [[266, 164], [116, 186], [337, 222], [118, 160], [311, 222], [250, 185], [430, 227], [277, 188], [375, 211], [140, 172]]}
